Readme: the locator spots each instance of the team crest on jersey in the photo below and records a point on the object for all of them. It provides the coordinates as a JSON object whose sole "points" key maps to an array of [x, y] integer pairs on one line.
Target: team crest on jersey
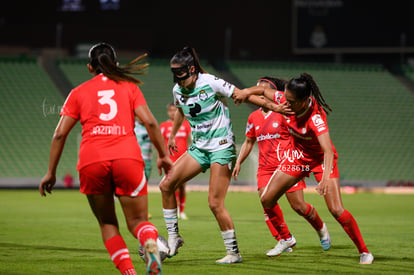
{"points": [[318, 122], [275, 124], [203, 95], [303, 130], [278, 97]]}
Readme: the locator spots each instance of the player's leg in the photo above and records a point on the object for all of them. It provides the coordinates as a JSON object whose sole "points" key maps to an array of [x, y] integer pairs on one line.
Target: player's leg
{"points": [[184, 169], [96, 184], [131, 188], [277, 186], [220, 175], [346, 220], [296, 200]]}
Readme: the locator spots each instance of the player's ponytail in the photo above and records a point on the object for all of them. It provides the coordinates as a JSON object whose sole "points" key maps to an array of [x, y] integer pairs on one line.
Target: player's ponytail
{"points": [[188, 57], [102, 58]]}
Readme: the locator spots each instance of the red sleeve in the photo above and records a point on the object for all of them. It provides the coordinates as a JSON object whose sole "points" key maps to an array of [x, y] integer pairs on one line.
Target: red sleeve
{"points": [[138, 97], [71, 107], [250, 130], [187, 127], [318, 124], [279, 97]]}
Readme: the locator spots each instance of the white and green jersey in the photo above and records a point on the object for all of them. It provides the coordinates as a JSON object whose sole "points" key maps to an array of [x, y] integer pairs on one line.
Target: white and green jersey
{"points": [[143, 141], [206, 109]]}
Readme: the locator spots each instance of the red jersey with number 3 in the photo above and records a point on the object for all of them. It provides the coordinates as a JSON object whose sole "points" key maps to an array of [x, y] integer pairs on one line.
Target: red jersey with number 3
{"points": [[181, 138], [105, 109]]}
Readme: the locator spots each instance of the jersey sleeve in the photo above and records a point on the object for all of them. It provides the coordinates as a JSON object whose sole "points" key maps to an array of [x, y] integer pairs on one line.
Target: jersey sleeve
{"points": [[221, 86], [318, 124], [138, 97], [250, 130], [71, 107], [279, 97]]}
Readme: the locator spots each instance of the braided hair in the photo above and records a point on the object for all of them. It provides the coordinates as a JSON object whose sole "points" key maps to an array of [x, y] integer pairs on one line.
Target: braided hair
{"points": [[304, 87]]}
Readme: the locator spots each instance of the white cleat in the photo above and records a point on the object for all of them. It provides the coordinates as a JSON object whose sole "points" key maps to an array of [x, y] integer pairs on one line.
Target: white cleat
{"points": [[183, 216], [281, 246], [231, 258], [174, 244], [366, 258], [324, 237]]}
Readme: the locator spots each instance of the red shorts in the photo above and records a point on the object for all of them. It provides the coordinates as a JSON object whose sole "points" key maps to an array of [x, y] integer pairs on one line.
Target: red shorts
{"points": [[301, 169], [264, 177], [124, 177]]}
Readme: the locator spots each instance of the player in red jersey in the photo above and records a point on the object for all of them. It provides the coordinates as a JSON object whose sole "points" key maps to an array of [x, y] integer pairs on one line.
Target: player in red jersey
{"points": [[311, 150], [181, 140], [270, 131], [110, 161]]}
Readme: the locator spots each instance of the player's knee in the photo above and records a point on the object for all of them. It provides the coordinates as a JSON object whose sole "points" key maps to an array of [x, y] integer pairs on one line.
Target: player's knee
{"points": [[336, 211]]}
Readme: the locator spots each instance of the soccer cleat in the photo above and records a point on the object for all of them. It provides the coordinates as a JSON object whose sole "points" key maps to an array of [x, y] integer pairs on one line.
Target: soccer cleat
{"points": [[152, 257], [366, 258], [324, 237], [183, 216], [230, 258], [281, 246], [174, 244]]}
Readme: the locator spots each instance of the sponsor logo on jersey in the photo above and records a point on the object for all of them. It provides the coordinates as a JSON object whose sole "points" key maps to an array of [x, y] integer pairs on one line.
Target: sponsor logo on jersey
{"points": [[288, 154], [268, 136], [223, 141]]}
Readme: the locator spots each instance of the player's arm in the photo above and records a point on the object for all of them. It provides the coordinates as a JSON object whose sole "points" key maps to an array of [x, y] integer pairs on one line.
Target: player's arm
{"points": [[244, 153], [240, 96], [145, 115], [328, 157], [62, 130], [177, 122]]}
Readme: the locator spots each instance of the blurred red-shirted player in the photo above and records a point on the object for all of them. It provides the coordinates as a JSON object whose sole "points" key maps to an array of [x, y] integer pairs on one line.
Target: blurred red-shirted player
{"points": [[181, 140], [110, 161], [270, 131], [311, 151]]}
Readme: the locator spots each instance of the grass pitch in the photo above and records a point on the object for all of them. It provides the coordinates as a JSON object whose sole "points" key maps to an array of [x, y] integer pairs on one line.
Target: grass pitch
{"points": [[59, 235]]}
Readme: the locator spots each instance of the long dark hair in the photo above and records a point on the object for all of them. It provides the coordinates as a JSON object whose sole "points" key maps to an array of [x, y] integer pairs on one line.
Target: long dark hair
{"points": [[304, 87], [276, 83], [102, 58], [188, 56]]}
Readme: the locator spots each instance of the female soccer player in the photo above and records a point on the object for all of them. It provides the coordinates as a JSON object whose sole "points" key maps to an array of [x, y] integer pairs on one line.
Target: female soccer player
{"points": [[315, 153], [110, 160], [181, 141], [270, 131], [200, 97]]}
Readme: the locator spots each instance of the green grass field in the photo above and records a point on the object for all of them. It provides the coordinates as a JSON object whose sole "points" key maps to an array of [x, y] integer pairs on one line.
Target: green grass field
{"points": [[59, 235]]}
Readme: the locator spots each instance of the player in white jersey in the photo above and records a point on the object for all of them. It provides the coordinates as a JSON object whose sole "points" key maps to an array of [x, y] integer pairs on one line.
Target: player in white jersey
{"points": [[200, 97]]}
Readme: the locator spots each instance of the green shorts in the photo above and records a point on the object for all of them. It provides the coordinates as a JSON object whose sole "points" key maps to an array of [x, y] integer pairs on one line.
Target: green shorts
{"points": [[205, 158]]}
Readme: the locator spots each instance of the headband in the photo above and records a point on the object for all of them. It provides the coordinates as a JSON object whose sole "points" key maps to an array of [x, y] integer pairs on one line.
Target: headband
{"points": [[267, 80]]}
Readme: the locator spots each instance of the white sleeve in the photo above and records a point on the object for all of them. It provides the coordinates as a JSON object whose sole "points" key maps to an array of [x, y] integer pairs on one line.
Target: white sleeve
{"points": [[221, 86]]}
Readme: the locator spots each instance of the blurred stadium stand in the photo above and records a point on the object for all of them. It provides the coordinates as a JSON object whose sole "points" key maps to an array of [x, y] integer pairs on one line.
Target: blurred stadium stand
{"points": [[372, 124]]}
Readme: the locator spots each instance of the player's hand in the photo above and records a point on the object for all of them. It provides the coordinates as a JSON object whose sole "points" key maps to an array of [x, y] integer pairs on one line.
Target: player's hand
{"points": [[322, 187], [284, 109], [236, 171], [240, 96], [46, 185], [165, 164], [172, 146]]}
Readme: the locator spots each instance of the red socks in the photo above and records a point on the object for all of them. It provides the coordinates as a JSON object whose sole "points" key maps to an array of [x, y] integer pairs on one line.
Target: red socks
{"points": [[276, 218], [180, 198], [272, 229], [119, 254], [145, 231], [351, 228], [312, 216]]}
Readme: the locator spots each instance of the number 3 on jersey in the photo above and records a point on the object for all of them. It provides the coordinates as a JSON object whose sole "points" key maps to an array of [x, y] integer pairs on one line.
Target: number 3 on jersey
{"points": [[106, 98]]}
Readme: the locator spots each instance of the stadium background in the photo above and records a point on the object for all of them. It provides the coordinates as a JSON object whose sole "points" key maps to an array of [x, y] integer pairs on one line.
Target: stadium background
{"points": [[361, 53]]}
